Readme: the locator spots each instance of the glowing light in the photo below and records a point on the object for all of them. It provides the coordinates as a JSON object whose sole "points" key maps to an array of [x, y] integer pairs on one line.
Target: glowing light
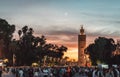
{"points": [[5, 60], [35, 64]]}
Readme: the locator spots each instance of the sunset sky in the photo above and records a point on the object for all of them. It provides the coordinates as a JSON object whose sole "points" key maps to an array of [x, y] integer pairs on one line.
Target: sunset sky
{"points": [[60, 20]]}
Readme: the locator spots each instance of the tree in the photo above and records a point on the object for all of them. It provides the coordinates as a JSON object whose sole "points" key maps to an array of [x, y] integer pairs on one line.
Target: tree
{"points": [[25, 55], [6, 34], [54, 51], [28, 48], [101, 50], [61, 51], [116, 59], [19, 33], [34, 49], [13, 48], [1, 47], [66, 59]]}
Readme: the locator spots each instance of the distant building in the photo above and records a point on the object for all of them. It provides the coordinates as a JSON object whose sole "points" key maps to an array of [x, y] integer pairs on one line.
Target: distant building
{"points": [[81, 47]]}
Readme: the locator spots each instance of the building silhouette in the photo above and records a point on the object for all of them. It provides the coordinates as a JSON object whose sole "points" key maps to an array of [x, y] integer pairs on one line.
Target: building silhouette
{"points": [[81, 47]]}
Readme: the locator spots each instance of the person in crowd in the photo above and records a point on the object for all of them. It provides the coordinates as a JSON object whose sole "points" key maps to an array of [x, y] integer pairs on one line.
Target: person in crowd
{"points": [[45, 72], [21, 72], [0, 71], [94, 73], [36, 73], [30, 72]]}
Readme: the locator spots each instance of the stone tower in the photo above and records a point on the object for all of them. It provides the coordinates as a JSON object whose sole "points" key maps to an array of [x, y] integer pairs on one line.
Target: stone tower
{"points": [[81, 47]]}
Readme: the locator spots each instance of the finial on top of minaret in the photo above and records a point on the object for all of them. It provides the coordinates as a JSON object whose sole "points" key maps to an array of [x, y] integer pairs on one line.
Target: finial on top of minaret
{"points": [[81, 30]]}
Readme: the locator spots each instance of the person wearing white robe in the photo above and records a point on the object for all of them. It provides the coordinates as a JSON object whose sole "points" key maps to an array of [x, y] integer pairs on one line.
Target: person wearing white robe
{"points": [[21, 73]]}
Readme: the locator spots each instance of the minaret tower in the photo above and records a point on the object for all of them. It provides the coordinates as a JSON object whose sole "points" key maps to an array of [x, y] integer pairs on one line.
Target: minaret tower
{"points": [[81, 47]]}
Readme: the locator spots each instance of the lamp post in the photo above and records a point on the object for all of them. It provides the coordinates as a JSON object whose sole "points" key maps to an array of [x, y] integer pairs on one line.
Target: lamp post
{"points": [[5, 61]]}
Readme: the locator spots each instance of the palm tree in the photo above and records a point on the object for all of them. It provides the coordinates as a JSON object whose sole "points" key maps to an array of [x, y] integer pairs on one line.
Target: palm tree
{"points": [[24, 29], [19, 33], [30, 31]]}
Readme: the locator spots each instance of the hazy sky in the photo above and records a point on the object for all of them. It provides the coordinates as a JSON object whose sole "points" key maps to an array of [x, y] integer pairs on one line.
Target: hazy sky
{"points": [[60, 20]]}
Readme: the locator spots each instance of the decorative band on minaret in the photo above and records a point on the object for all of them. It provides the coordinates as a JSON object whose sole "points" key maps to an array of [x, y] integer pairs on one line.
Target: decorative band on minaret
{"points": [[81, 47]]}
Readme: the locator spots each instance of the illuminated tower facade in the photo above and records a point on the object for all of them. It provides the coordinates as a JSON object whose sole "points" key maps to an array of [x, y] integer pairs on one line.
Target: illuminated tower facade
{"points": [[81, 47]]}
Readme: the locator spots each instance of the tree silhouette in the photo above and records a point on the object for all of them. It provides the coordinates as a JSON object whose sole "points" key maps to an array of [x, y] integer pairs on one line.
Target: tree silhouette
{"points": [[6, 34], [19, 33], [101, 50], [26, 54], [27, 48], [34, 49]]}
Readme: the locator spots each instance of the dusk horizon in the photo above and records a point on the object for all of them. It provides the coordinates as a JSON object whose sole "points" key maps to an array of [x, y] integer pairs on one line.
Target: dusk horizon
{"points": [[60, 21], [72, 46]]}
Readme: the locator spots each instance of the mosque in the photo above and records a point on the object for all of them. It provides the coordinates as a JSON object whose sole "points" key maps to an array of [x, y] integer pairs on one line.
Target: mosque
{"points": [[83, 59]]}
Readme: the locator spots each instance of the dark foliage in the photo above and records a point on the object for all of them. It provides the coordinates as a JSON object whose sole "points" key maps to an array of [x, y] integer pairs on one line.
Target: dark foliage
{"points": [[6, 34], [101, 50], [28, 48]]}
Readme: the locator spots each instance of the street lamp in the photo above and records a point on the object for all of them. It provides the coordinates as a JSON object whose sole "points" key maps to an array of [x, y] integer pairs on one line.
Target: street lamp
{"points": [[5, 61]]}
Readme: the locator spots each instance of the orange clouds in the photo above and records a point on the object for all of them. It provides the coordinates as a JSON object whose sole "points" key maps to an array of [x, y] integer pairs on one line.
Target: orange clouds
{"points": [[68, 38], [71, 42]]}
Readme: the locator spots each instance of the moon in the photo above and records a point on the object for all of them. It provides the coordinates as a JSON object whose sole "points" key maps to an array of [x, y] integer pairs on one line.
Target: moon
{"points": [[66, 13]]}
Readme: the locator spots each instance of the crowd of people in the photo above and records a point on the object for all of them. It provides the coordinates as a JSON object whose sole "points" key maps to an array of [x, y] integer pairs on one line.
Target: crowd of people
{"points": [[60, 72]]}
